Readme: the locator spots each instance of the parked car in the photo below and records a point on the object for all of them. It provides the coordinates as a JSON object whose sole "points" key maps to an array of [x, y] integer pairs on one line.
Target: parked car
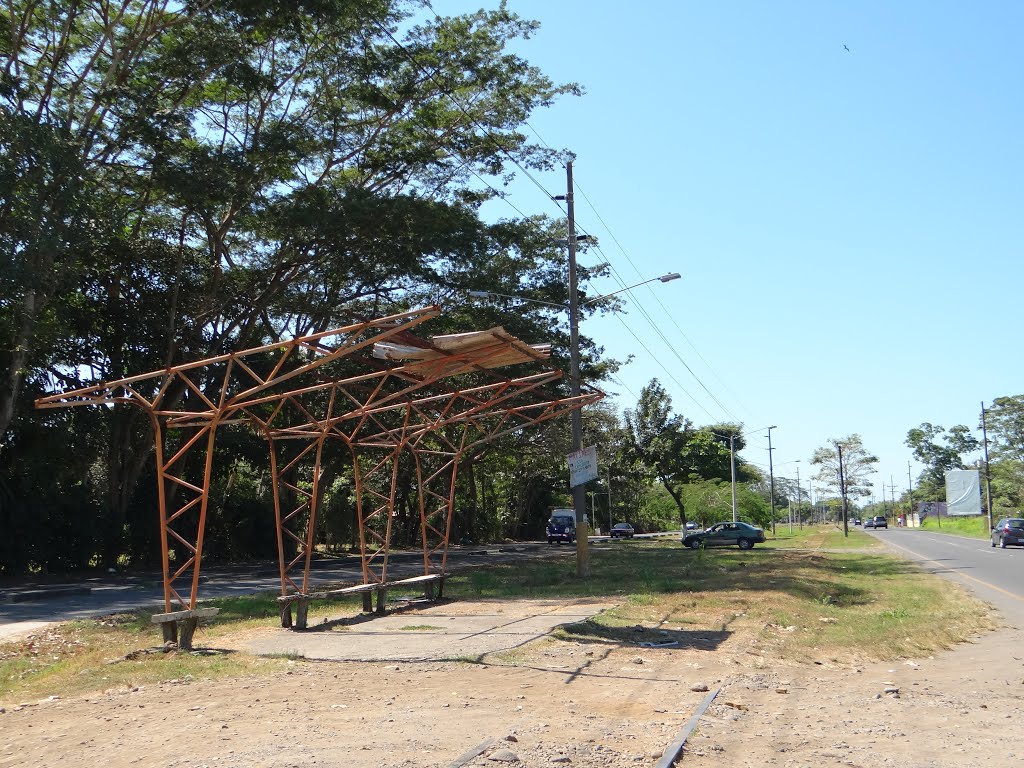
{"points": [[743, 535], [622, 531], [691, 526], [879, 522], [1009, 530]]}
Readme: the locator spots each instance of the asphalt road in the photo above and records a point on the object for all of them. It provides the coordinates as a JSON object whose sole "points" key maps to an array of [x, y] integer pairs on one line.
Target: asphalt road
{"points": [[993, 574], [29, 606]]}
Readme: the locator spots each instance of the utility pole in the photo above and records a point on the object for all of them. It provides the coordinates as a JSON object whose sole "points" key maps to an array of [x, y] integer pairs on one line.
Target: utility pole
{"points": [[732, 467], [842, 490], [988, 477], [910, 490], [892, 494], [609, 475], [800, 515], [579, 499], [771, 476]]}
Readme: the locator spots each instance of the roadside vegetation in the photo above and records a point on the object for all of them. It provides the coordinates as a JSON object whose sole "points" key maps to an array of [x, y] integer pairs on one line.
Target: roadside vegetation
{"points": [[799, 598], [975, 527]]}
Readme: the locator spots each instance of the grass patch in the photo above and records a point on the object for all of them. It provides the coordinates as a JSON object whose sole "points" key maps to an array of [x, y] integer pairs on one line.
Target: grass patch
{"points": [[419, 628], [798, 599], [123, 650], [822, 537], [794, 604], [975, 527]]}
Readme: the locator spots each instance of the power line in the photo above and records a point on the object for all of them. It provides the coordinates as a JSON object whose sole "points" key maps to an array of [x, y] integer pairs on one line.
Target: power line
{"points": [[486, 132], [664, 309], [671, 347]]}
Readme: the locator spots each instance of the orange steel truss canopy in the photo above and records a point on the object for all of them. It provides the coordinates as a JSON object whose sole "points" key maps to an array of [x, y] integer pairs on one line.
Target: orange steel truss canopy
{"points": [[372, 390]]}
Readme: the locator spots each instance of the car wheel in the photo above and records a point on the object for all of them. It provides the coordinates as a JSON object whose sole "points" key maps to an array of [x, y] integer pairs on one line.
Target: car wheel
{"points": [[695, 544], [1002, 542], [745, 543]]}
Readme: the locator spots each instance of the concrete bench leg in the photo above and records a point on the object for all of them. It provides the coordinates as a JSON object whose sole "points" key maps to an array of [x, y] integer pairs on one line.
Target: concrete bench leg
{"points": [[286, 616], [367, 602], [170, 630], [188, 628], [301, 613], [428, 591], [382, 601]]}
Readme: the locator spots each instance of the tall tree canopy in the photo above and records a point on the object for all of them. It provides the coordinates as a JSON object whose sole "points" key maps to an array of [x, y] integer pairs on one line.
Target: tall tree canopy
{"points": [[940, 450], [179, 179], [849, 477], [229, 172]]}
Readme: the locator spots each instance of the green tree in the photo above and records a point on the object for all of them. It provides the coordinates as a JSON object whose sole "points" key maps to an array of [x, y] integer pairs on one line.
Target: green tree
{"points": [[848, 477], [940, 450], [659, 441], [180, 180]]}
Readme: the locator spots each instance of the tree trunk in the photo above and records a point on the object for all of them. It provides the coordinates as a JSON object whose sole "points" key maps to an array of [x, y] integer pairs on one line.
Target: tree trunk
{"points": [[676, 498]]}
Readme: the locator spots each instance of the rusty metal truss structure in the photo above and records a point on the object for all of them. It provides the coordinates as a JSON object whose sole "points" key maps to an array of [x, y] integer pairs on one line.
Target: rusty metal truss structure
{"points": [[373, 390]]}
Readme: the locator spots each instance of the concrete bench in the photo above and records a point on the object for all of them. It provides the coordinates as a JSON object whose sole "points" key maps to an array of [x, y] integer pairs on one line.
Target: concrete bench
{"points": [[301, 601]]}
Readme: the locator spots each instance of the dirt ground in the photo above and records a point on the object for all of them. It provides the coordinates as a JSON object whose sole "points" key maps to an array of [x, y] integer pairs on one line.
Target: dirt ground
{"points": [[548, 703]]}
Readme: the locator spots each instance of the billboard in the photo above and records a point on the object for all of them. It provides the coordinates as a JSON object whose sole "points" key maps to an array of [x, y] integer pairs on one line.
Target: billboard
{"points": [[582, 466], [963, 492]]}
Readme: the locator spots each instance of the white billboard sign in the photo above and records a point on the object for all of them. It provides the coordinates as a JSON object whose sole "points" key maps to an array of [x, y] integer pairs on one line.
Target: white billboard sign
{"points": [[582, 466], [963, 492]]}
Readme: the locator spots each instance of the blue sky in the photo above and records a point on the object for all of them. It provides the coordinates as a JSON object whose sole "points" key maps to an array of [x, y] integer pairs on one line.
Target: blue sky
{"points": [[848, 224]]}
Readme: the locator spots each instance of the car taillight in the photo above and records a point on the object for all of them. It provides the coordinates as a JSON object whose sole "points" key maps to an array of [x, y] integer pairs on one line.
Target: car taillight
{"points": [[1006, 529]]}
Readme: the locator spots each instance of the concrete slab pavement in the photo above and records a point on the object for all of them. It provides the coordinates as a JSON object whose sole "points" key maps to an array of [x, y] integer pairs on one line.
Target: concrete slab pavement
{"points": [[455, 630]]}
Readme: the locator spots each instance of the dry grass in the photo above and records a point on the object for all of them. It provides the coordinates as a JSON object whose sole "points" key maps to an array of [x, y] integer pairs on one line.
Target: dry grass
{"points": [[797, 600]]}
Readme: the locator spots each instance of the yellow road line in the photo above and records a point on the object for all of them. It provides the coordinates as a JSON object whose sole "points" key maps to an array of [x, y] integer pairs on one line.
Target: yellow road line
{"points": [[961, 573]]}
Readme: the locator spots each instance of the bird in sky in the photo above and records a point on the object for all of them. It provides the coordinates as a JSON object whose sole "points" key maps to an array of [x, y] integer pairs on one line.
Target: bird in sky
{"points": [[846, 49]]}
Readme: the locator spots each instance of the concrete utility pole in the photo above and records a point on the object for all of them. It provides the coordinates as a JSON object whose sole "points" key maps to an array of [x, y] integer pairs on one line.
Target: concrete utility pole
{"points": [[988, 477], [732, 467], [771, 476], [842, 490], [910, 491], [892, 494], [579, 498], [799, 514]]}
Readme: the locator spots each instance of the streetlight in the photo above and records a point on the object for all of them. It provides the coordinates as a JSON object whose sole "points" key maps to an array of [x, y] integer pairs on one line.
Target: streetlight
{"points": [[494, 294]]}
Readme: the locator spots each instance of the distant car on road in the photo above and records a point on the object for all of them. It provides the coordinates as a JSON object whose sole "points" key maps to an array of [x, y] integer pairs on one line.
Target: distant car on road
{"points": [[562, 526], [743, 535], [622, 531], [1009, 530], [691, 526], [869, 522], [857, 521], [878, 521]]}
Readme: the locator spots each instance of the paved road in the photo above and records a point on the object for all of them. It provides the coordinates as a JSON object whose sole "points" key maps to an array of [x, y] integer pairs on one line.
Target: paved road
{"points": [[993, 574], [29, 606]]}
